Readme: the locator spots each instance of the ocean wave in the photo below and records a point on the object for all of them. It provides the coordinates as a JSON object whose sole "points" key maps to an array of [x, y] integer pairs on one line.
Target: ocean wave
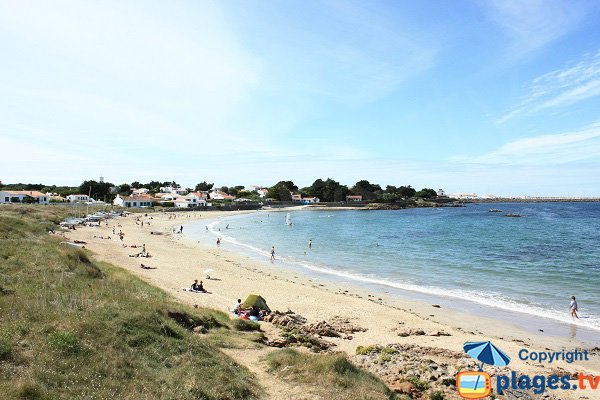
{"points": [[488, 299]]}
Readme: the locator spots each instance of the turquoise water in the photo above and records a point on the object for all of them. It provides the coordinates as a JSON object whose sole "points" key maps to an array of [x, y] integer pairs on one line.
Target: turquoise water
{"points": [[529, 265]]}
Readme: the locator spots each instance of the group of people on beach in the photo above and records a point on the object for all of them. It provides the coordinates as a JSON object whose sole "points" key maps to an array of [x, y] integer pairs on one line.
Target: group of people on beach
{"points": [[253, 313]]}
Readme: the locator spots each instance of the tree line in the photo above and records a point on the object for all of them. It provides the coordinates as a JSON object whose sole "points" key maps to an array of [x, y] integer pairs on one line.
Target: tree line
{"points": [[333, 191], [327, 190]]}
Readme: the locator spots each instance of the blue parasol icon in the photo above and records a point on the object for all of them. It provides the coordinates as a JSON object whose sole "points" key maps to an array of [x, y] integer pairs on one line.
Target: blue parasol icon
{"points": [[487, 353]]}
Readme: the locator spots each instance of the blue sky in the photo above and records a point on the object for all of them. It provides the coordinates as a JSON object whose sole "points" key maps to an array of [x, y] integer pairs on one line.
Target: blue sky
{"points": [[497, 97]]}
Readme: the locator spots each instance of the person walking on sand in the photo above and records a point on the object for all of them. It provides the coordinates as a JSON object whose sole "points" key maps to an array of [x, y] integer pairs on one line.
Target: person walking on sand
{"points": [[574, 307], [272, 253]]}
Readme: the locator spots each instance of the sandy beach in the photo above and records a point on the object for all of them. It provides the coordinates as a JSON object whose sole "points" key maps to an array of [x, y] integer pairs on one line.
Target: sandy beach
{"points": [[178, 261]]}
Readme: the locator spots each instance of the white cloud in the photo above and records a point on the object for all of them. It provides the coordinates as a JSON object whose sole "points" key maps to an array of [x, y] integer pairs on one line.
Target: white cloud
{"points": [[560, 88], [533, 24], [582, 145]]}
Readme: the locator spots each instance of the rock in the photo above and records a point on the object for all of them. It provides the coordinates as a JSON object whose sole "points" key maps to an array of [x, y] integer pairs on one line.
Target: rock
{"points": [[402, 387], [436, 306], [438, 333], [200, 330]]}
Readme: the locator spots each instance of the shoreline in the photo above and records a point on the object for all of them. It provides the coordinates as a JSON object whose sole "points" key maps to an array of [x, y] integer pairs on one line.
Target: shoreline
{"points": [[179, 260], [528, 320]]}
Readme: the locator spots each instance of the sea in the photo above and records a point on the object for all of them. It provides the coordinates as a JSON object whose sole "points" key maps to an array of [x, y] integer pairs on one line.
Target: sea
{"points": [[523, 269]]}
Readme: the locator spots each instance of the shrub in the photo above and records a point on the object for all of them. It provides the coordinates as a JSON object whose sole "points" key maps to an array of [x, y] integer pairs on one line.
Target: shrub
{"points": [[244, 325], [6, 347], [64, 341], [437, 396]]}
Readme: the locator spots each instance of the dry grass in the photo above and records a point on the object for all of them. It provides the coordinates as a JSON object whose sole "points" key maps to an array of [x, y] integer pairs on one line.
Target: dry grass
{"points": [[73, 328], [331, 375]]}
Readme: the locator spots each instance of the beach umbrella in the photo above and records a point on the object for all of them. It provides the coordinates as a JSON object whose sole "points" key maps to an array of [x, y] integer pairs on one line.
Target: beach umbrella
{"points": [[487, 353]]}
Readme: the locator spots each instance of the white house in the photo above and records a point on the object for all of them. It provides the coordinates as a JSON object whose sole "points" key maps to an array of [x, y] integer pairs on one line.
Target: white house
{"points": [[296, 197], [23, 196], [191, 200], [133, 201], [310, 200], [173, 190], [262, 192], [78, 198], [140, 191], [218, 195]]}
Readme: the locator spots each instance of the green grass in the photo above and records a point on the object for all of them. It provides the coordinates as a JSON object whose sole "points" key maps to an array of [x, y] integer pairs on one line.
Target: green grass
{"points": [[74, 328], [331, 375]]}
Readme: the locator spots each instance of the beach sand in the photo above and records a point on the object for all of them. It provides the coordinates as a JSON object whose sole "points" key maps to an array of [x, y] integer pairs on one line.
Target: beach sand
{"points": [[179, 260]]}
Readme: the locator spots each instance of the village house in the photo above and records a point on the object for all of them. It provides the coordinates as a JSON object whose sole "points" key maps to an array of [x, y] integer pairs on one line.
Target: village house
{"points": [[310, 200], [133, 201], [219, 195], [296, 197], [173, 190], [140, 191], [190, 200], [353, 198], [78, 198], [23, 196]]}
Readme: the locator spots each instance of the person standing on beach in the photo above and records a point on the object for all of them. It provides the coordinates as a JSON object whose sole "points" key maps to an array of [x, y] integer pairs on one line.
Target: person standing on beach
{"points": [[310, 243], [181, 229], [218, 242], [272, 253], [574, 307]]}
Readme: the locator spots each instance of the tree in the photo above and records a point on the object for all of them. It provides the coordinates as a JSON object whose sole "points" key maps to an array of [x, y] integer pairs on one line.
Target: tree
{"points": [[365, 189], [235, 190], [329, 190], [96, 190], [136, 185], [225, 189], [204, 187], [247, 195], [406, 192], [124, 189], [426, 193], [282, 191]]}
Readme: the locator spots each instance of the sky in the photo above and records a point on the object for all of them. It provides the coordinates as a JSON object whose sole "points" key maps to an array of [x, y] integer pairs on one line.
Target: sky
{"points": [[491, 97]]}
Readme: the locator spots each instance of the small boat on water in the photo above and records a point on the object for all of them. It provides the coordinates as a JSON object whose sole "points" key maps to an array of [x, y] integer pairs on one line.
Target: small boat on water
{"points": [[512, 215], [494, 210]]}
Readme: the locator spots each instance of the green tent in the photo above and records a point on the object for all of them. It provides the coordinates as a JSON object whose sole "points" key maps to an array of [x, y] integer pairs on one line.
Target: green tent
{"points": [[257, 301]]}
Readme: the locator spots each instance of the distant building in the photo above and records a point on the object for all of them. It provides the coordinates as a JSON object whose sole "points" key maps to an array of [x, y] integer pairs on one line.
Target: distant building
{"points": [[173, 190], [466, 196], [441, 193], [23, 196], [310, 200], [262, 192], [78, 198], [133, 201], [140, 191], [219, 195], [353, 198], [297, 197]]}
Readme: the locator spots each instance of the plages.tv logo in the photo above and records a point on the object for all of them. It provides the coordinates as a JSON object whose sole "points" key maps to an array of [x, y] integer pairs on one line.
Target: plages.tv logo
{"points": [[478, 384]]}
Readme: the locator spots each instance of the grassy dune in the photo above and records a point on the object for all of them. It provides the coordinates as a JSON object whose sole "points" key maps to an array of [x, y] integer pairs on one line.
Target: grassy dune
{"points": [[332, 376], [72, 328], [75, 328]]}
